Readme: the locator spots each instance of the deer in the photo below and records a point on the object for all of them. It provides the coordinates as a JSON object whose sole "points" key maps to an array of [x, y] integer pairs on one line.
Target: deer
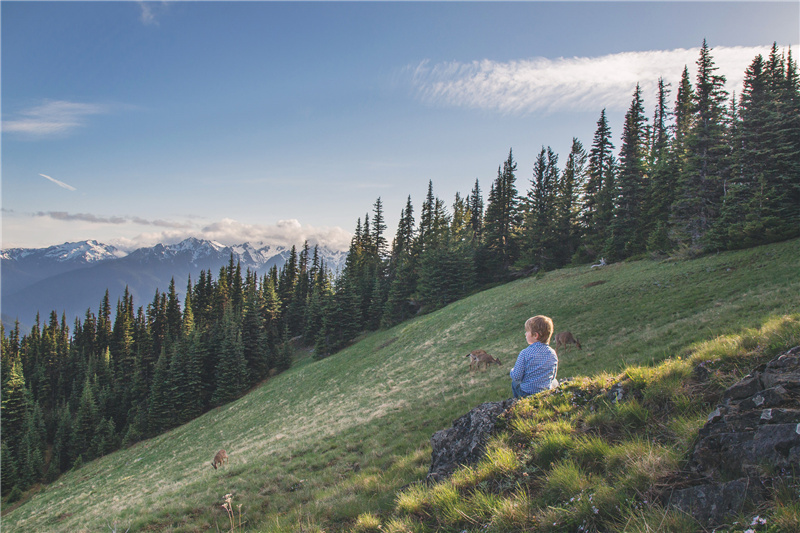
{"points": [[220, 459], [566, 338], [480, 357]]}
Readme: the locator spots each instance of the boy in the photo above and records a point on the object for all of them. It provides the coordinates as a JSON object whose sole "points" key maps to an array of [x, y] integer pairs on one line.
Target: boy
{"points": [[537, 365]]}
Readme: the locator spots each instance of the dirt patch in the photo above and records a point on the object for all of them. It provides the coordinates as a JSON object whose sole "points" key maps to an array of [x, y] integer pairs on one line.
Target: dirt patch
{"points": [[595, 283], [387, 343]]}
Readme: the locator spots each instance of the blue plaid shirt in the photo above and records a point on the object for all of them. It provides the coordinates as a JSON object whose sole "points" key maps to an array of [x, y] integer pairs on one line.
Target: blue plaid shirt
{"points": [[536, 368]]}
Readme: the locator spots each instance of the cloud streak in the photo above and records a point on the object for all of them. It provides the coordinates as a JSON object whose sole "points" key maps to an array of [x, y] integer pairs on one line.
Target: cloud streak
{"points": [[567, 84], [150, 11], [94, 219], [53, 117], [59, 183]]}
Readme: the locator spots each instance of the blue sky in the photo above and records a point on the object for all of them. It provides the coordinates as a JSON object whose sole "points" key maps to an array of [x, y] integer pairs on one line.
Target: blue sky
{"points": [[135, 123]]}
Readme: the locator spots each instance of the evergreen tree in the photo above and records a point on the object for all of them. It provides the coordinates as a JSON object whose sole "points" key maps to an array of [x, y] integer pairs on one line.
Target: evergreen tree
{"points": [[85, 424], [568, 204], [541, 224], [502, 220], [15, 406], [701, 179], [231, 369], [161, 407], [475, 201], [8, 465], [662, 169], [254, 343], [628, 235], [597, 211]]}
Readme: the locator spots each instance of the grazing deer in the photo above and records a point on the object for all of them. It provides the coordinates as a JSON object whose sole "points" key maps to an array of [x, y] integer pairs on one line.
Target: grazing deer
{"points": [[480, 357], [565, 338], [220, 459]]}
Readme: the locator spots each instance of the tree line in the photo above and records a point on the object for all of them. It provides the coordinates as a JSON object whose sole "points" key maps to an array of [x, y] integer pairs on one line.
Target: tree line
{"points": [[709, 172]]}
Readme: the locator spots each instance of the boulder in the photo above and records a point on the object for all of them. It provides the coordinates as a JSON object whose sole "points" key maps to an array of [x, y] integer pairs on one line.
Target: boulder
{"points": [[465, 442], [752, 436]]}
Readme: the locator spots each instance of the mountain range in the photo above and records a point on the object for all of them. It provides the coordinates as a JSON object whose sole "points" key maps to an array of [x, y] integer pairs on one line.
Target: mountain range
{"points": [[73, 277]]}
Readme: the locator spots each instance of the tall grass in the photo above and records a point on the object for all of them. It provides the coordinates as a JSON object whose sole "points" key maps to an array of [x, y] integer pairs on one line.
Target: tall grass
{"points": [[329, 445]]}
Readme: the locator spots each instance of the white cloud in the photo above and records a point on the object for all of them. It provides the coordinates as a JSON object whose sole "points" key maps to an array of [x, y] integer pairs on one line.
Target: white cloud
{"points": [[150, 11], [53, 117], [568, 84], [59, 183], [230, 232]]}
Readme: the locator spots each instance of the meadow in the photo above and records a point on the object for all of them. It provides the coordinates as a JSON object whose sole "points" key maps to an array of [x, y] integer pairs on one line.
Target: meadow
{"points": [[339, 444]]}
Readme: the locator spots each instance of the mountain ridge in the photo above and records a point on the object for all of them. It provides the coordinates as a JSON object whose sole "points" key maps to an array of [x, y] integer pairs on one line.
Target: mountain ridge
{"points": [[72, 277]]}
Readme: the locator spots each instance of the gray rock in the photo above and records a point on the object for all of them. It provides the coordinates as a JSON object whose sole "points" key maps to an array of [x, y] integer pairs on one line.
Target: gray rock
{"points": [[464, 443], [711, 504], [753, 436]]}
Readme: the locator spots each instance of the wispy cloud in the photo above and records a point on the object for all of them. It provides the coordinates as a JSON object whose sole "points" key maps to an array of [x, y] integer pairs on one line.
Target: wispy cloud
{"points": [[53, 117], [59, 183], [149, 12], [95, 219], [563, 84]]}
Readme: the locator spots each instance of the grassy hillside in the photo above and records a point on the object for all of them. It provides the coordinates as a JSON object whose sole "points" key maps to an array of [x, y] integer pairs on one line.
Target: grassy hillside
{"points": [[330, 441]]}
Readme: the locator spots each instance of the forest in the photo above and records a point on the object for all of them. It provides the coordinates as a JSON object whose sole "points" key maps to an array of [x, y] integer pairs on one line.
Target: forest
{"points": [[707, 171]]}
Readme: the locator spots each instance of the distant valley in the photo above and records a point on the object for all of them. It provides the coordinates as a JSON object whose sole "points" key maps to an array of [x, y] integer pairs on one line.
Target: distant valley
{"points": [[73, 277]]}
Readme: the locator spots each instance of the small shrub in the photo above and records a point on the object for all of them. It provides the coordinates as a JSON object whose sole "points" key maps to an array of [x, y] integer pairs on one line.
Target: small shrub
{"points": [[565, 480], [590, 453], [638, 464], [15, 495], [412, 500], [552, 447], [513, 513], [367, 523], [656, 518], [632, 414], [402, 525]]}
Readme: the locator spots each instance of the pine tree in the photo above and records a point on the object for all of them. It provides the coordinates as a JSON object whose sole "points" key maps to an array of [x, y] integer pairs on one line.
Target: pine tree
{"points": [[231, 369], [475, 202], [568, 204], [628, 237], [541, 222], [597, 210], [762, 200], [700, 184], [502, 220], [8, 465], [254, 340], [161, 409], [15, 406], [662, 169], [85, 424]]}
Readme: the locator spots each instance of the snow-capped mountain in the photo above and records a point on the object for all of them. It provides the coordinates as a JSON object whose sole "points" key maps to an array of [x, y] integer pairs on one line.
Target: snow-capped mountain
{"points": [[80, 252], [73, 277]]}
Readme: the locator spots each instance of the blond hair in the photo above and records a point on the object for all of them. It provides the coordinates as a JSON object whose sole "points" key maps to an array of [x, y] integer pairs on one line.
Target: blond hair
{"points": [[541, 325]]}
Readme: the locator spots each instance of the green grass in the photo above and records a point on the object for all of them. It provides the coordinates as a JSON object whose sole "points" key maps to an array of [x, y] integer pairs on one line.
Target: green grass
{"points": [[341, 444]]}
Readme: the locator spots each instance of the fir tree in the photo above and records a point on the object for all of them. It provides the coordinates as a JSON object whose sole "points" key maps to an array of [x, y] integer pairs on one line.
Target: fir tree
{"points": [[597, 211], [628, 237], [701, 179]]}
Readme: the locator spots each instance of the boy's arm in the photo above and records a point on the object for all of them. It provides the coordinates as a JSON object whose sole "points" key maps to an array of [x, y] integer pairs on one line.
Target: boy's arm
{"points": [[518, 372]]}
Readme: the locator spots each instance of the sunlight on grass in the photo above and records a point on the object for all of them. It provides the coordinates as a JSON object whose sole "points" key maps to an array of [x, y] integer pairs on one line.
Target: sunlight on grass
{"points": [[329, 444]]}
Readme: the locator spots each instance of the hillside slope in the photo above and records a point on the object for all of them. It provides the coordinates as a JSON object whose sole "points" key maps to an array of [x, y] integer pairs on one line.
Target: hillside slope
{"points": [[317, 446]]}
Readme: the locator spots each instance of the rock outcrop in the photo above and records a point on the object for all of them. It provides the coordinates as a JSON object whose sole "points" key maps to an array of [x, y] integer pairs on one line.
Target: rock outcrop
{"points": [[464, 443], [753, 436], [750, 439]]}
